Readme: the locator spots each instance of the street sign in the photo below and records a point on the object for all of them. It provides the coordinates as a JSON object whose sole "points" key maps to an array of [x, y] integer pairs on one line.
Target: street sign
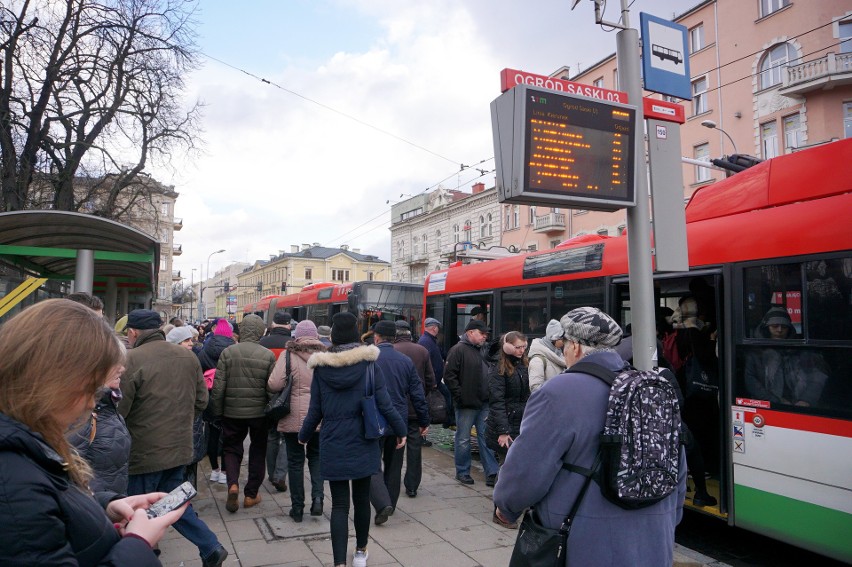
{"points": [[511, 78], [563, 150], [663, 110], [665, 57]]}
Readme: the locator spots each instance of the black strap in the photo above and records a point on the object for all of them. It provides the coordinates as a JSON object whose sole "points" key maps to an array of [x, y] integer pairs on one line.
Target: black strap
{"points": [[566, 523], [369, 386], [595, 370]]}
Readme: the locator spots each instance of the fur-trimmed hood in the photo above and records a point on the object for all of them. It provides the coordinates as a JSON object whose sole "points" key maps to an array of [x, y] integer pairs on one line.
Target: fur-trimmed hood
{"points": [[304, 347], [344, 358]]}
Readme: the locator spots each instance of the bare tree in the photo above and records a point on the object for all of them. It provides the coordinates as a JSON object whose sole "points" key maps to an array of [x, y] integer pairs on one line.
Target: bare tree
{"points": [[91, 91]]}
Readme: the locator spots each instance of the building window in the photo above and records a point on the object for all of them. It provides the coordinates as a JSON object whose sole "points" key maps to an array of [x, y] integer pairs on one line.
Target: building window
{"points": [[696, 38], [847, 119], [370, 276], [532, 247], [309, 274], [516, 215], [163, 290], [164, 263], [490, 222], [844, 30], [409, 214], [702, 152], [699, 96], [774, 64], [340, 275], [467, 230], [615, 79], [164, 208], [769, 6], [621, 229], [556, 210], [793, 132], [425, 244], [437, 241], [532, 215], [482, 229], [455, 233], [415, 246], [508, 218], [603, 232], [769, 139], [598, 82], [554, 243]]}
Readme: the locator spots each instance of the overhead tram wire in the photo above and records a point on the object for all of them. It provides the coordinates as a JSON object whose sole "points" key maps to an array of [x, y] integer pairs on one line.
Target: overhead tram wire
{"points": [[329, 108]]}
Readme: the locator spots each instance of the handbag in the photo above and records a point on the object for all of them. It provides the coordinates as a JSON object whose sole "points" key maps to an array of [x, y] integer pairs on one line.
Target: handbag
{"points": [[437, 406], [699, 383], [538, 546], [199, 438], [375, 424], [278, 406]]}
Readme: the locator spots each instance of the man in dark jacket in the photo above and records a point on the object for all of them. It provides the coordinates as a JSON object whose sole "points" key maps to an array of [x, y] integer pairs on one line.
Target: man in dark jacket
{"points": [[403, 384], [466, 375], [276, 451], [420, 357], [239, 396], [162, 391], [429, 340]]}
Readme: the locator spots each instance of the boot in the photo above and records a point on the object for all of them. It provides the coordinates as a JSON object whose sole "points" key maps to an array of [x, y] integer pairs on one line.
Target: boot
{"points": [[250, 501], [233, 502], [296, 514], [316, 507]]}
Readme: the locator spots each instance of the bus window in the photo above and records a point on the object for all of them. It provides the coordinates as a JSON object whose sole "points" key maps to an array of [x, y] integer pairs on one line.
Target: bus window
{"points": [[777, 285], [524, 310], [829, 315], [319, 314], [565, 296], [435, 308]]}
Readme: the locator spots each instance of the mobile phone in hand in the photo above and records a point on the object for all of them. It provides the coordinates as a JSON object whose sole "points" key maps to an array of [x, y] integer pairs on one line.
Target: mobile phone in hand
{"points": [[172, 501]]}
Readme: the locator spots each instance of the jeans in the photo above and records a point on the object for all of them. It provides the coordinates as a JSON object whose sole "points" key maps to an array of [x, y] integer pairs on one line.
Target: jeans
{"points": [[276, 458], [214, 443], [465, 419], [233, 434], [384, 485], [189, 525], [413, 458], [296, 468], [340, 515]]}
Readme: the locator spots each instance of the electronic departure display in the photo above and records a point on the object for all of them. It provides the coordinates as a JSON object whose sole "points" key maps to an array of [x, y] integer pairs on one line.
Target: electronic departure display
{"points": [[565, 150]]}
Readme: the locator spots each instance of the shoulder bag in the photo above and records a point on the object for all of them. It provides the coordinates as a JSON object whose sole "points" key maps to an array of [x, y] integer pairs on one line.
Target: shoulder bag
{"points": [[279, 406], [437, 406], [538, 546], [375, 424]]}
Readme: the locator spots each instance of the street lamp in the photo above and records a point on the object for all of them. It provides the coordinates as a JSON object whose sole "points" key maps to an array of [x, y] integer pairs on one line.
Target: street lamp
{"points": [[710, 124], [191, 287], [202, 283]]}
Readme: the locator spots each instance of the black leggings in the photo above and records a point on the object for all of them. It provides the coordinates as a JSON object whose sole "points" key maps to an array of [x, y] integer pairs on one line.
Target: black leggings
{"points": [[340, 515]]}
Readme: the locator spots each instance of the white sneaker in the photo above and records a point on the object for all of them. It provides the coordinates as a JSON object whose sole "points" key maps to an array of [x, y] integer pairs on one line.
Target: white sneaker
{"points": [[359, 559], [219, 476]]}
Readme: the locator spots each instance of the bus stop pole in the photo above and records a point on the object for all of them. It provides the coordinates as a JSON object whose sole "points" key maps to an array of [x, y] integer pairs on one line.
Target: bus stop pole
{"points": [[84, 274], [638, 218]]}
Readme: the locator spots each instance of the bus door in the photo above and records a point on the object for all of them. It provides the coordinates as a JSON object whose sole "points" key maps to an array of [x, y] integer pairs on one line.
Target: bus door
{"points": [[689, 315], [462, 310]]}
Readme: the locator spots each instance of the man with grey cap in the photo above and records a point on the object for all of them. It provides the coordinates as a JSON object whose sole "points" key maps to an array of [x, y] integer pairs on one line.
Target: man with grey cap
{"points": [[546, 360], [324, 334], [429, 340], [562, 424]]}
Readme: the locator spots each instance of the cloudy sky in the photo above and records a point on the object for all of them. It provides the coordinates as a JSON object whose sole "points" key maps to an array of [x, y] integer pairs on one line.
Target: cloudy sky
{"points": [[368, 101]]}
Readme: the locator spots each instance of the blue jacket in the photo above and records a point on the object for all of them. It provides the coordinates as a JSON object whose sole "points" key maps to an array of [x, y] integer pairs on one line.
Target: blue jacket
{"points": [[403, 383], [562, 422], [338, 385], [431, 344], [47, 520]]}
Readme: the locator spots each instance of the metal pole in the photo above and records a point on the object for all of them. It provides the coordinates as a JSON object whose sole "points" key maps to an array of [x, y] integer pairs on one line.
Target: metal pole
{"points": [[191, 286], [84, 272], [638, 217]]}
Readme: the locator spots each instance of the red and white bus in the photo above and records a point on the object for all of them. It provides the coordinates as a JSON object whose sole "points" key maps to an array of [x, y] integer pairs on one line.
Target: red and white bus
{"points": [[370, 301], [773, 235]]}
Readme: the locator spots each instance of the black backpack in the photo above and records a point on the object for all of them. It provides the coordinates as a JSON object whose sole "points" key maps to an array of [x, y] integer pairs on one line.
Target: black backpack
{"points": [[640, 443]]}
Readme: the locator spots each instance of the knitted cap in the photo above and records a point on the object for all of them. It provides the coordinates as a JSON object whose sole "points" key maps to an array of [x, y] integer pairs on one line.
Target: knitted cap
{"points": [[554, 331], [344, 328], [385, 329], [305, 328], [324, 331], [592, 327], [179, 334], [223, 328]]}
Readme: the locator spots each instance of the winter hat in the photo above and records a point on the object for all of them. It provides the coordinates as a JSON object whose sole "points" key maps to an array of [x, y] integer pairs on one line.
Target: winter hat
{"points": [[385, 329], [223, 328], [591, 327], [476, 324], [144, 319], [324, 331], [179, 334], [779, 316], [402, 326], [554, 331], [282, 318], [305, 328], [344, 328]]}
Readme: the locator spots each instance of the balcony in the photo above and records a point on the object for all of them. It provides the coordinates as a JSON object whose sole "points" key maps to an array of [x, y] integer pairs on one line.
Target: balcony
{"points": [[177, 249], [416, 259], [823, 73], [178, 224], [549, 223], [176, 275]]}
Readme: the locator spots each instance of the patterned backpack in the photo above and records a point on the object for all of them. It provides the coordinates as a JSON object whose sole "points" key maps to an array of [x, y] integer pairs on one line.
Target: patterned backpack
{"points": [[640, 444]]}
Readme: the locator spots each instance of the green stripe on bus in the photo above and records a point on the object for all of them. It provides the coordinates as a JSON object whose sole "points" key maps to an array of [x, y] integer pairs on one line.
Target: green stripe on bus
{"points": [[813, 527]]}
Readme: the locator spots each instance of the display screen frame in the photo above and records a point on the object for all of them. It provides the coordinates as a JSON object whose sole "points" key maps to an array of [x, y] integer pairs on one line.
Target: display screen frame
{"points": [[519, 182]]}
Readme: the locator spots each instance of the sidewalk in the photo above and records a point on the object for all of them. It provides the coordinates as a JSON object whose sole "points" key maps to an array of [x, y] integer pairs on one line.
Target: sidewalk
{"points": [[448, 525]]}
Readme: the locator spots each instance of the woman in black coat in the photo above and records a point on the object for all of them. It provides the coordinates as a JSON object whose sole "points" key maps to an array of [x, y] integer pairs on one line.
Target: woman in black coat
{"points": [[346, 456], [48, 514], [222, 337], [509, 390]]}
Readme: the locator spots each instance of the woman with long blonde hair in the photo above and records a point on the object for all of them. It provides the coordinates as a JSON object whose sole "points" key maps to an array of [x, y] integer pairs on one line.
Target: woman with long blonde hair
{"points": [[54, 358]]}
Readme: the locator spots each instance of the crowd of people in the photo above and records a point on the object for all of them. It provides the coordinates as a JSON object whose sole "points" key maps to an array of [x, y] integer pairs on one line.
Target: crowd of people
{"points": [[100, 423]]}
